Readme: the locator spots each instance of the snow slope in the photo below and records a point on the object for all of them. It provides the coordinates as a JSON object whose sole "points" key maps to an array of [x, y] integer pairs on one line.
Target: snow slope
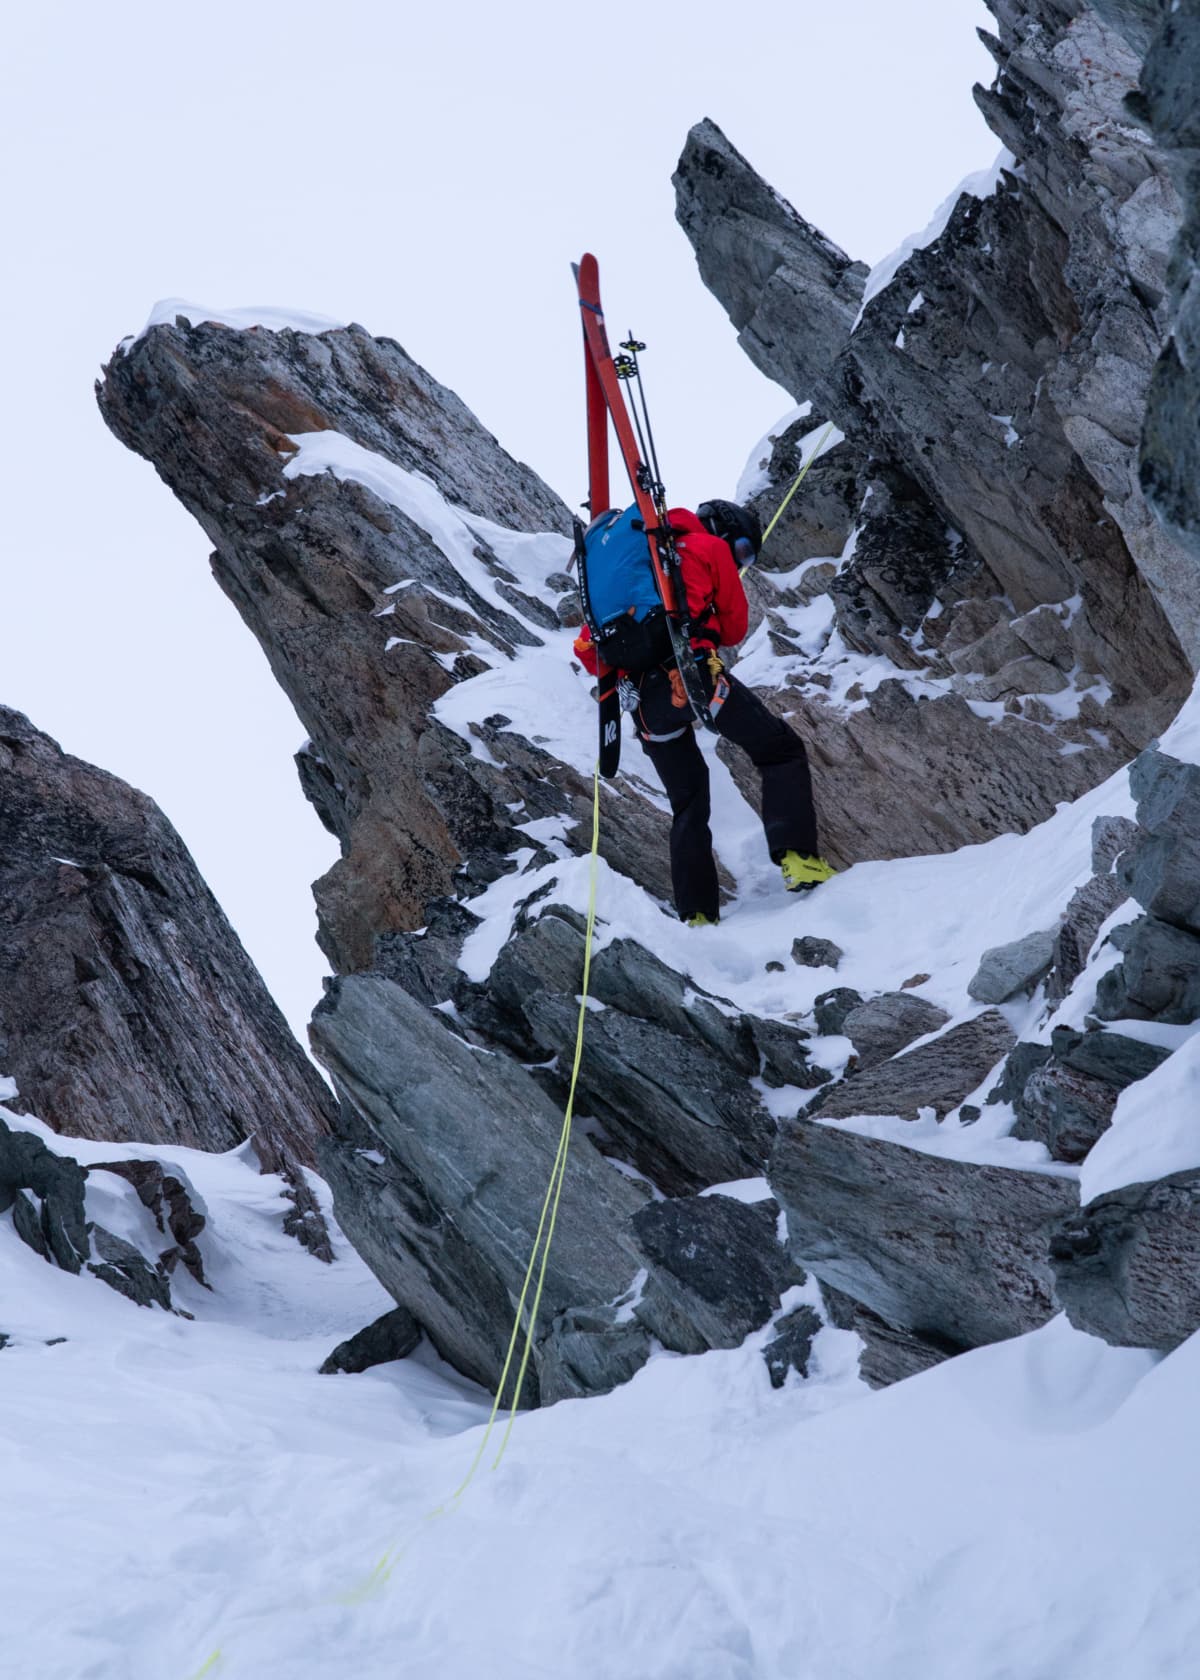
{"points": [[189, 1494]]}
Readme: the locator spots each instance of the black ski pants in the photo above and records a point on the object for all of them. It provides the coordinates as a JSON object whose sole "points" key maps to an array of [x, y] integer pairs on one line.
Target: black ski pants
{"points": [[775, 750]]}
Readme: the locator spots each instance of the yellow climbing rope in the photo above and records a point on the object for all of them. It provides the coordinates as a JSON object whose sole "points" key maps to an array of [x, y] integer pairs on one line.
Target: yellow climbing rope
{"points": [[799, 480], [549, 1214]]}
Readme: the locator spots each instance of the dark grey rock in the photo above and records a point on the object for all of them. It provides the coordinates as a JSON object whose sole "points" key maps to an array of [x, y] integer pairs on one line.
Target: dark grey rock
{"points": [[1127, 1266], [45, 1191], [791, 1346], [1006, 970], [790, 292], [1162, 868], [725, 1258], [304, 1219], [627, 977], [1045, 301], [393, 1336], [666, 1070], [832, 1008], [1021, 1061], [670, 1106], [1088, 908], [784, 1054], [888, 1023], [1166, 101], [126, 1269], [425, 962], [1159, 978], [27, 1222], [774, 967], [544, 959], [1110, 837], [1065, 1109], [439, 1166], [166, 1197], [815, 523], [889, 1354], [311, 564], [128, 1009], [816, 953], [954, 1252], [904, 557], [438, 1173], [936, 1075], [1162, 872], [1113, 1057]]}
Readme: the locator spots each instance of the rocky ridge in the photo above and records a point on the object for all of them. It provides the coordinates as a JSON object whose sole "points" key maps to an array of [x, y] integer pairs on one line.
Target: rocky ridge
{"points": [[981, 528], [368, 531]]}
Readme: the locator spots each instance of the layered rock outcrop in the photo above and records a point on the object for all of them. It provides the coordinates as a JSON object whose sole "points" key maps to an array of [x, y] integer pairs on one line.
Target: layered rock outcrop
{"points": [[45, 1191], [1126, 1264], [1170, 454], [364, 619], [1040, 621], [128, 1009]]}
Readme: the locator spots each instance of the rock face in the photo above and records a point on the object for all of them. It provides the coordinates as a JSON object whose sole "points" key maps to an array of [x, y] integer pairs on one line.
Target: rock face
{"points": [[935, 1075], [128, 1008], [46, 1193], [954, 1253], [364, 619], [1128, 1265], [1159, 977], [991, 396], [889, 1023], [1170, 455], [439, 1186]]}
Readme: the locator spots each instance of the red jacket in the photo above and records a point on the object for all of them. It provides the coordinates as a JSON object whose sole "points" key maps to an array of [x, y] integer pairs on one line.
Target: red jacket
{"points": [[710, 577]]}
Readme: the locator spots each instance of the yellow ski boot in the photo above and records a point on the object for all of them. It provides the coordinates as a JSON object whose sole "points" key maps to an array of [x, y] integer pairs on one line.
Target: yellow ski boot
{"points": [[801, 874]]}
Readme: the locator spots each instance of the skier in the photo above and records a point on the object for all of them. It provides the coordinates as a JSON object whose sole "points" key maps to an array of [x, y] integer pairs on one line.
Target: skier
{"points": [[711, 543]]}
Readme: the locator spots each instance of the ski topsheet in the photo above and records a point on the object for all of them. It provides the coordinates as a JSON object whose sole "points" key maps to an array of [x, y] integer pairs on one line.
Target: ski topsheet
{"points": [[607, 696], [602, 374]]}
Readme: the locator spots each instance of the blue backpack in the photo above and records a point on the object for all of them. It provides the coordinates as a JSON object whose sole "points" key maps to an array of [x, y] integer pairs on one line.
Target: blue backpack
{"points": [[620, 598]]}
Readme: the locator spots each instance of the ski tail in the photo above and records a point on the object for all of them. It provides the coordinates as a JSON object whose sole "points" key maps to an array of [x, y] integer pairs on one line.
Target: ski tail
{"points": [[609, 701], [607, 695]]}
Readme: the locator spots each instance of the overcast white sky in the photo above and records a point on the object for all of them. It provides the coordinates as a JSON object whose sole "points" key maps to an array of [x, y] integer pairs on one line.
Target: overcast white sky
{"points": [[430, 172]]}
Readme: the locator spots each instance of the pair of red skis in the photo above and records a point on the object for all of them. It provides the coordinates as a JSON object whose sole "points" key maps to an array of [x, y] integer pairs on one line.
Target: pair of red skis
{"points": [[605, 401]]}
